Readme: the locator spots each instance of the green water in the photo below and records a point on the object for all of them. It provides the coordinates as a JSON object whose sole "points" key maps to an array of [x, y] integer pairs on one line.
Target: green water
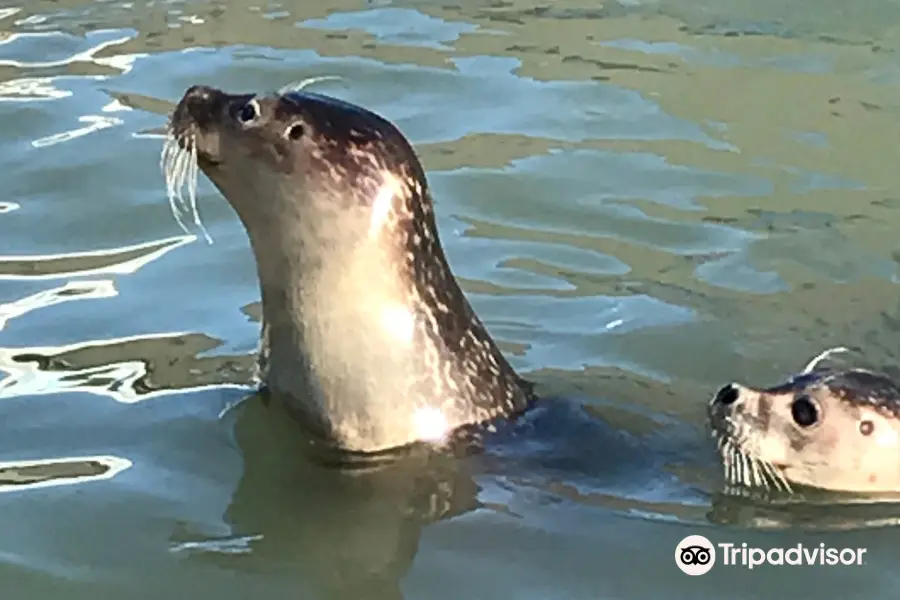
{"points": [[643, 200]]}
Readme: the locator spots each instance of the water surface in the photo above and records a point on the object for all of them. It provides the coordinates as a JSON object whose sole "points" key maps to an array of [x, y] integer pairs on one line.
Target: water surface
{"points": [[643, 200]]}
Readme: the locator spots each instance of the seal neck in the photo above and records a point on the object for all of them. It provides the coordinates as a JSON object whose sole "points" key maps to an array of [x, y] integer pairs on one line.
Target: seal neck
{"points": [[365, 329]]}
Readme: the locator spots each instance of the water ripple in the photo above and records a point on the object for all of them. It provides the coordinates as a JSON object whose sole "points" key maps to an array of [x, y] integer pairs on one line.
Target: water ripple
{"points": [[638, 207], [118, 261], [127, 370], [397, 26], [73, 290], [24, 44], [25, 475]]}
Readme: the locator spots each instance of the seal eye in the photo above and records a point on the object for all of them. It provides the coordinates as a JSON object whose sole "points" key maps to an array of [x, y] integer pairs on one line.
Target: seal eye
{"points": [[294, 132], [248, 112], [804, 411], [866, 427]]}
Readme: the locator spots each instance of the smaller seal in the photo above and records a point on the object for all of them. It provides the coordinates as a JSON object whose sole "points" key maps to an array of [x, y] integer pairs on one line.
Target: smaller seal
{"points": [[826, 428]]}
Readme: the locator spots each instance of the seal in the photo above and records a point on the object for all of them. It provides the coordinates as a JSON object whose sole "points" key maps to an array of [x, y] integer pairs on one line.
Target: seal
{"points": [[827, 428], [366, 333]]}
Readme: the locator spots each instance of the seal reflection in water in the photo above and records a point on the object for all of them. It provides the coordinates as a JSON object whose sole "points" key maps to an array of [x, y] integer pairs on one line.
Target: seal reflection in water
{"points": [[308, 530], [366, 333], [832, 429]]}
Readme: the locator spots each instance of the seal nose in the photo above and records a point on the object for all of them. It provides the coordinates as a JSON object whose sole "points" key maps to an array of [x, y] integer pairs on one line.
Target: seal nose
{"points": [[727, 395], [198, 94], [198, 102]]}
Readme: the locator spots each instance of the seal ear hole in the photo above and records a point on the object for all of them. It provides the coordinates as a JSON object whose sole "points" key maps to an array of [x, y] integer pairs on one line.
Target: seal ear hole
{"points": [[295, 132], [866, 427], [804, 411]]}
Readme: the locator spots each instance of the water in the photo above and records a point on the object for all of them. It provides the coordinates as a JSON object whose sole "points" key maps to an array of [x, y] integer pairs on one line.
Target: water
{"points": [[643, 201]]}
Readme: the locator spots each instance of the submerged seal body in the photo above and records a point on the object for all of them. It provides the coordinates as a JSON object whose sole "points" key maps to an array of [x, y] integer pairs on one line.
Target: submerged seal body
{"points": [[366, 333], [832, 429]]}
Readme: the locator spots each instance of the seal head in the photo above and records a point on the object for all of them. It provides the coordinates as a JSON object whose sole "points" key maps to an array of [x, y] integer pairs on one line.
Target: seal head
{"points": [[366, 333], [831, 429]]}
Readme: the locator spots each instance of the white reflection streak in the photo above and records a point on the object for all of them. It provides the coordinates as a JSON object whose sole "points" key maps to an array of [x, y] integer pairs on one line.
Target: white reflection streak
{"points": [[124, 268], [115, 106], [95, 123], [35, 89], [31, 89], [6, 13], [115, 466], [73, 290], [239, 545], [29, 379], [31, 20], [122, 61]]}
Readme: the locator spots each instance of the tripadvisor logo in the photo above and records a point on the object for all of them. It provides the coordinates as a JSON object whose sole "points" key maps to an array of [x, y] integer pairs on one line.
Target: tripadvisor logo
{"points": [[696, 555], [797, 555]]}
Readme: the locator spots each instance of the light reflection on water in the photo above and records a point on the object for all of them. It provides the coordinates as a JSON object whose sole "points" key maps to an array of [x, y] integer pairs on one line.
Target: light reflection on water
{"points": [[640, 202]]}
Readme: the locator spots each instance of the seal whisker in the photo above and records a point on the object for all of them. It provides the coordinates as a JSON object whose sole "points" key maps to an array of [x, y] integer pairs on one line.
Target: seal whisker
{"points": [[822, 356], [771, 476], [747, 472], [182, 165], [774, 479], [193, 176], [738, 475], [732, 459], [779, 478], [296, 86], [739, 468], [734, 472], [766, 475], [173, 169], [758, 478], [751, 473], [180, 168], [169, 165], [763, 474], [743, 469], [728, 459]]}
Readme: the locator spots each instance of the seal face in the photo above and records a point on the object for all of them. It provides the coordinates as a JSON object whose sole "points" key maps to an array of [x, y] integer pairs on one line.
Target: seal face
{"points": [[366, 333], [831, 429]]}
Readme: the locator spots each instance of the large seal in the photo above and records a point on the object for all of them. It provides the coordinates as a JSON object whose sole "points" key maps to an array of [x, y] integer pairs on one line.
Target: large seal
{"points": [[366, 333], [828, 428]]}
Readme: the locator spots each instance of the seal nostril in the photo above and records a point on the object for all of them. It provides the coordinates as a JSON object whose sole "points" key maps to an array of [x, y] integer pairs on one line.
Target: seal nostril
{"points": [[727, 395]]}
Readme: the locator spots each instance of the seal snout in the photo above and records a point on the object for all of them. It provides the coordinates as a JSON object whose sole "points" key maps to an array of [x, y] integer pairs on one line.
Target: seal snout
{"points": [[724, 402], [198, 107], [198, 95]]}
